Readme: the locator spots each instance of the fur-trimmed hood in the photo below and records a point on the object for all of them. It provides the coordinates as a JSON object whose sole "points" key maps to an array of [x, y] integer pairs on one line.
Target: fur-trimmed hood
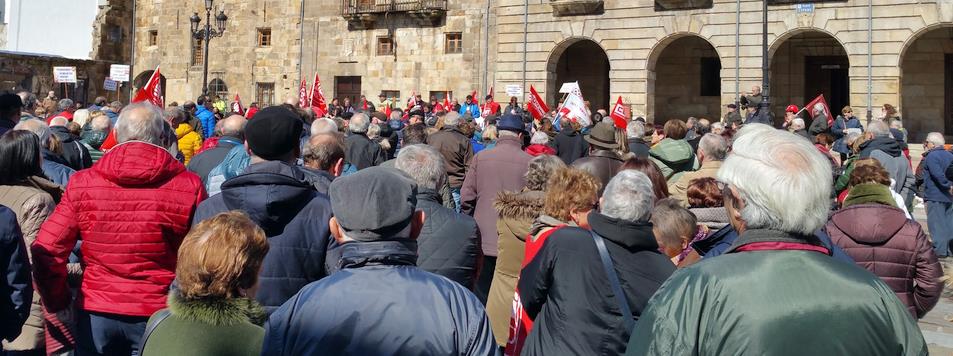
{"points": [[526, 204], [217, 311]]}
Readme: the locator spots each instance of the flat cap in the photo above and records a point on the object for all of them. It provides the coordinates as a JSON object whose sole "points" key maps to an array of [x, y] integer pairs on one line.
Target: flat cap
{"points": [[373, 204]]}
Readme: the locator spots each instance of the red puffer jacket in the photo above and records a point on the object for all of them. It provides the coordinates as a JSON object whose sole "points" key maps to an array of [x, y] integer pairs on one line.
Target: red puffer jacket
{"points": [[131, 210], [880, 239]]}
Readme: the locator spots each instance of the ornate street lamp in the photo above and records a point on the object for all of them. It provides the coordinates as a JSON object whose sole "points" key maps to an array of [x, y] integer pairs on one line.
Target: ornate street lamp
{"points": [[206, 34]]}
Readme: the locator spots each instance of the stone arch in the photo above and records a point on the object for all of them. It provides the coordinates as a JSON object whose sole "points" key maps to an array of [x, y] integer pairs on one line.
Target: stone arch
{"points": [[926, 81], [683, 78], [572, 60], [806, 62]]}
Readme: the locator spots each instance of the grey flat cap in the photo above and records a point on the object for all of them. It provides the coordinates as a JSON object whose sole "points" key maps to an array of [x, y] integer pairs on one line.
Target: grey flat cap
{"points": [[373, 204]]}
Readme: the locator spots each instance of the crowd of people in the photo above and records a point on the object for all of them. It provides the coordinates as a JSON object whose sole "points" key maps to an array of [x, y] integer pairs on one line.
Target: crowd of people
{"points": [[462, 229]]}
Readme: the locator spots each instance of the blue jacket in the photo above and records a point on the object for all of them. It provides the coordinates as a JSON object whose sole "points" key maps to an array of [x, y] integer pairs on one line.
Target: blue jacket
{"points": [[936, 186], [474, 110], [208, 121], [379, 303], [837, 130], [55, 168], [17, 283], [294, 217], [718, 243]]}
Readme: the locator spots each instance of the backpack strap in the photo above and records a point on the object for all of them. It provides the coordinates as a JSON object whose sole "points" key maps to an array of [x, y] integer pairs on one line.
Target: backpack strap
{"points": [[627, 318], [159, 317]]}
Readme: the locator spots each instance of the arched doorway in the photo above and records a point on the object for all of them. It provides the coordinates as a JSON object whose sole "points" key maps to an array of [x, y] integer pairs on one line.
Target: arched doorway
{"points": [[926, 83], [143, 77], [684, 80], [805, 65], [584, 61]]}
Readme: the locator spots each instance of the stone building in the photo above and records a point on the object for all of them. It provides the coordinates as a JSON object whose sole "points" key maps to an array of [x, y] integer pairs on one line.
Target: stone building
{"points": [[665, 58]]}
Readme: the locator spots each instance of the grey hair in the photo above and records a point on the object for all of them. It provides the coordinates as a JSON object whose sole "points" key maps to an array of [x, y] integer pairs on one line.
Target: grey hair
{"points": [[797, 123], [776, 173], [424, 164], [635, 129], [64, 104], [508, 133], [100, 123], [29, 99], [936, 138], [176, 114], [628, 196], [717, 125], [539, 169], [714, 146], [59, 121], [896, 124], [374, 131], [359, 123], [451, 119], [819, 107], [878, 128], [39, 128], [539, 138], [323, 125], [141, 122], [395, 115], [852, 138]]}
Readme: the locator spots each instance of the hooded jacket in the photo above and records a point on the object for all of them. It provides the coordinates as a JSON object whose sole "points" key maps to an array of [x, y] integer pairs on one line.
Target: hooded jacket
{"points": [[379, 303], [889, 153], [207, 119], [74, 152], [190, 142], [566, 291], [137, 194], [882, 240], [449, 242], [672, 157], [294, 217], [16, 284], [759, 300], [211, 326], [570, 145]]}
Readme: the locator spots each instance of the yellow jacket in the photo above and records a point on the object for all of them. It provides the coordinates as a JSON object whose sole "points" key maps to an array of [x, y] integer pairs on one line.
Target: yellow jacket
{"points": [[189, 141]]}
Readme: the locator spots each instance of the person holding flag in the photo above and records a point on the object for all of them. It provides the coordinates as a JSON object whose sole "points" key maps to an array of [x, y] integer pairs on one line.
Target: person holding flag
{"points": [[821, 115], [237, 107]]}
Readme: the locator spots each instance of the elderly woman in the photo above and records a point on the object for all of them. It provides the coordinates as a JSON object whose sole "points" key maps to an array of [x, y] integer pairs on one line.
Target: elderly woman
{"points": [[675, 228], [820, 123], [211, 308], [877, 234], [517, 212], [539, 145]]}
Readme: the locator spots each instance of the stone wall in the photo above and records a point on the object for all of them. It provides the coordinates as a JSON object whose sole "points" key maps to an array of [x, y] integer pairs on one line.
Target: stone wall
{"points": [[678, 81], [923, 83], [34, 73]]}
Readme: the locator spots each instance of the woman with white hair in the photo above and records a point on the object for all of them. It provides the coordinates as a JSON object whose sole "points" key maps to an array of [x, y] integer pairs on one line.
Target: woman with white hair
{"points": [[539, 145]]}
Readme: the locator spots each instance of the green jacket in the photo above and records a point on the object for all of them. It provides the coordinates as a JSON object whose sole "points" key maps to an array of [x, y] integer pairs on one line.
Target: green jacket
{"points": [[844, 180], [673, 157], [775, 302], [208, 327]]}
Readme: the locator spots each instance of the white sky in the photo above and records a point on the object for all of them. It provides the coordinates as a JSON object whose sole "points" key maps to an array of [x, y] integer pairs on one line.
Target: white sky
{"points": [[54, 27]]}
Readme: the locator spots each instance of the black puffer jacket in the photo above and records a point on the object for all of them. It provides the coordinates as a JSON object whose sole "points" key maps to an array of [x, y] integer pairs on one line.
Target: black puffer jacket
{"points": [[295, 218], [17, 284], [449, 242], [76, 155], [570, 145], [567, 292]]}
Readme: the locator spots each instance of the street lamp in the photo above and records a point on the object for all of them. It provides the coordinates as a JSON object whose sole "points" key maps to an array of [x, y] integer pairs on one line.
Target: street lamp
{"points": [[764, 110], [206, 34]]}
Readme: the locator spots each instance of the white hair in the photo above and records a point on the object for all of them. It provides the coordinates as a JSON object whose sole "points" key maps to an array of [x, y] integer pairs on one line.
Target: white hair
{"points": [[80, 117], [422, 163], [374, 131], [819, 107], [141, 122], [37, 127], [635, 129], [323, 125], [539, 138], [717, 125], [714, 146], [797, 123], [896, 124], [936, 138], [451, 119], [59, 121], [101, 123], [359, 123], [878, 128], [777, 175], [628, 196]]}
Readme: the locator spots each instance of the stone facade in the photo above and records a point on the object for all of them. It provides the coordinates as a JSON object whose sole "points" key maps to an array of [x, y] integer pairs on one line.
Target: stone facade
{"points": [[659, 61], [34, 73]]}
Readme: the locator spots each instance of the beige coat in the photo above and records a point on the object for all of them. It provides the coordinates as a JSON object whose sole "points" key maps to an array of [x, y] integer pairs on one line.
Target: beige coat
{"points": [[679, 188]]}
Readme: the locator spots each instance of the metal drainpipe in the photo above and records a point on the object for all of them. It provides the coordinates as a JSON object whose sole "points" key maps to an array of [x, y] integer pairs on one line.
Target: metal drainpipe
{"points": [[486, 47], [132, 61], [765, 63], [870, 34], [737, 49], [301, 44], [525, 40]]}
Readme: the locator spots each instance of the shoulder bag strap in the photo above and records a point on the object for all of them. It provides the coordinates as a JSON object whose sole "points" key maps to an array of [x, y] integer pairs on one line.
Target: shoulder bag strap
{"points": [[159, 317], [627, 318]]}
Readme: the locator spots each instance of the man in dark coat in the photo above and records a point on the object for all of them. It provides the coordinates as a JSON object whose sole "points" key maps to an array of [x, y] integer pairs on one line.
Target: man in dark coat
{"points": [[569, 143], [360, 152], [274, 194], [777, 291], [565, 288], [457, 151], [233, 133], [603, 162], [17, 283], [379, 303], [733, 116], [936, 193], [74, 153], [819, 125], [635, 132], [449, 244]]}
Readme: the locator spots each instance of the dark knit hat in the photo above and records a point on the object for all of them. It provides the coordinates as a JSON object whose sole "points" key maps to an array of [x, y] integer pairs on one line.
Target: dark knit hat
{"points": [[274, 132]]}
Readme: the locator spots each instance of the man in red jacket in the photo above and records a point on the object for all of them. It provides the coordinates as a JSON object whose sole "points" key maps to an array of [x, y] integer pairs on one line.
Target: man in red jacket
{"points": [[131, 211]]}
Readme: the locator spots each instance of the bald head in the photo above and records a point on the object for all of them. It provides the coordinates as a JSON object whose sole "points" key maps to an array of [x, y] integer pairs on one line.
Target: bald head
{"points": [[234, 126], [292, 100], [324, 152], [323, 125], [59, 121], [37, 127]]}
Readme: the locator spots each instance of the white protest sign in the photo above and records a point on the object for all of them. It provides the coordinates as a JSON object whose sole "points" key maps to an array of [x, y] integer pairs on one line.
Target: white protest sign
{"points": [[514, 90], [119, 72], [110, 85], [569, 87], [64, 74]]}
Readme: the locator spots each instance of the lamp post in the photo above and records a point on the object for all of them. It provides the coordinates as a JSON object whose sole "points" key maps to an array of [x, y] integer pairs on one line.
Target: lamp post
{"points": [[765, 63], [206, 34]]}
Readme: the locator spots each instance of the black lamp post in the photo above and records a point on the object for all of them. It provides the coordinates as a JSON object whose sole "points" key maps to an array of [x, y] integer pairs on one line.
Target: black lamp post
{"points": [[206, 34]]}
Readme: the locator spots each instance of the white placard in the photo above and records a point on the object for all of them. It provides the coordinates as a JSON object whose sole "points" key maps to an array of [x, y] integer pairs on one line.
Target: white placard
{"points": [[64, 74], [514, 90], [110, 85], [119, 72], [569, 87]]}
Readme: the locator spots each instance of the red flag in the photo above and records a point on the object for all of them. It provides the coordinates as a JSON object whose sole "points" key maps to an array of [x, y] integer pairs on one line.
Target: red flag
{"points": [[446, 102], [476, 99], [618, 114], [152, 91], [827, 109], [237, 106], [303, 94], [412, 101], [535, 104], [317, 102]]}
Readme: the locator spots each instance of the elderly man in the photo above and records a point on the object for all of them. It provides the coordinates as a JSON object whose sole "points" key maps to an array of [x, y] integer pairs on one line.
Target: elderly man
{"points": [[233, 134], [54, 166], [798, 128], [323, 157], [883, 147], [804, 302], [449, 244], [635, 132], [277, 197], [380, 303], [99, 128], [717, 128], [147, 203], [64, 108], [29, 104], [936, 193], [603, 162], [360, 151], [820, 123], [501, 168], [712, 150], [457, 151], [581, 280], [323, 125], [569, 143], [74, 153]]}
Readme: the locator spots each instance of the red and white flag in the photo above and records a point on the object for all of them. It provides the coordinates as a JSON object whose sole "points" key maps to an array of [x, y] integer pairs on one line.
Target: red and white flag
{"points": [[152, 91], [317, 102], [575, 108], [619, 114], [412, 101], [447, 104], [303, 94], [237, 106], [536, 105], [827, 109]]}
